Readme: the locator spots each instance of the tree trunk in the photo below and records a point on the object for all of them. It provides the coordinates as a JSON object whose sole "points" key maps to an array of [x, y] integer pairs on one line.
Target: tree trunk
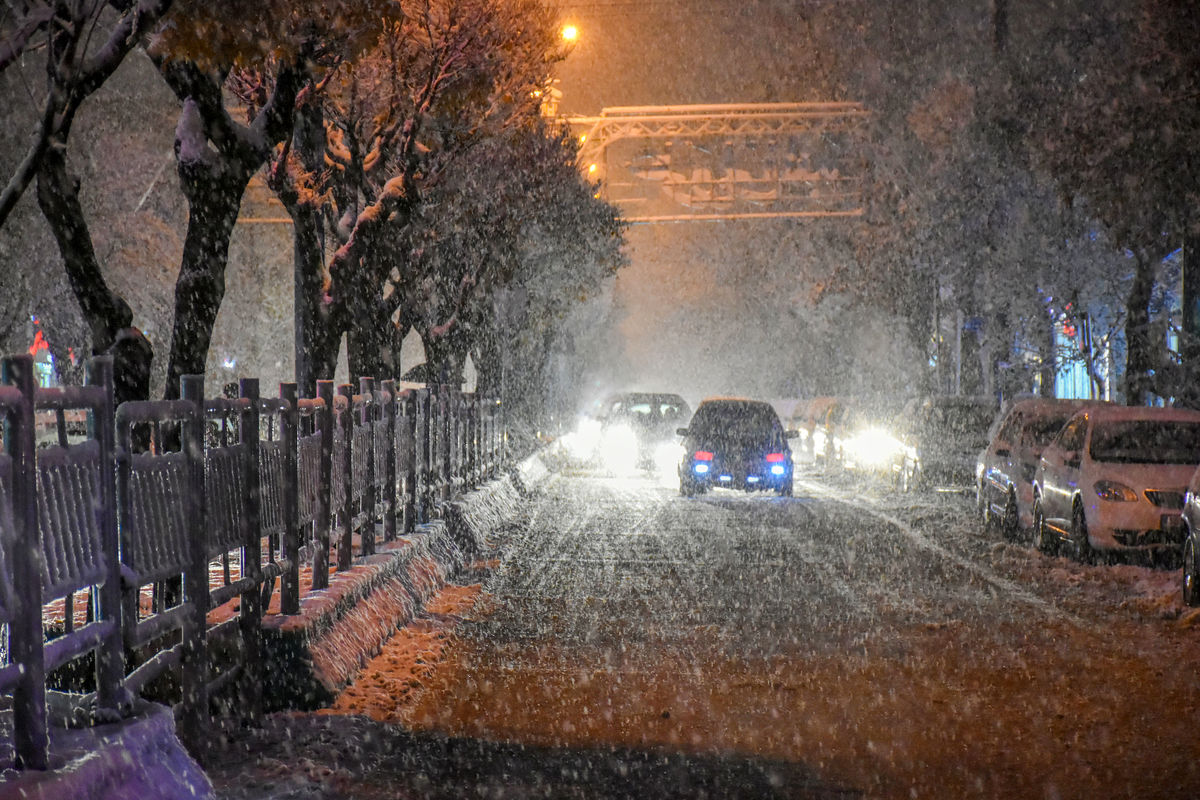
{"points": [[370, 338], [444, 357], [1139, 358], [1189, 341], [214, 193], [489, 365], [311, 325], [107, 314]]}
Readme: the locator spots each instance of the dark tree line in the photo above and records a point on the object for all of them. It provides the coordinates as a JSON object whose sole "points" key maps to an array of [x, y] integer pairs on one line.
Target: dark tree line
{"points": [[1028, 161], [403, 138]]}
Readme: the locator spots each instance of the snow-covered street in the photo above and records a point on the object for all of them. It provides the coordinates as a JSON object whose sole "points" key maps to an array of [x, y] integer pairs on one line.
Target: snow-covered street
{"points": [[850, 641]]}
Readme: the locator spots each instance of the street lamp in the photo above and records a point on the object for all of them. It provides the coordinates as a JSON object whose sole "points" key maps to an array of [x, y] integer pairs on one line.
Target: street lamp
{"points": [[570, 34]]}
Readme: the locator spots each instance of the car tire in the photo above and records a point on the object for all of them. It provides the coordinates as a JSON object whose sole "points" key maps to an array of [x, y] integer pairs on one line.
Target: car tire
{"points": [[1081, 545], [1191, 571], [1044, 540], [785, 490], [1010, 520], [686, 487]]}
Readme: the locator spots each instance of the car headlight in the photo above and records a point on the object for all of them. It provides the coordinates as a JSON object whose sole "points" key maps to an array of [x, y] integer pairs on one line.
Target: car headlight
{"points": [[874, 447], [583, 441], [619, 448], [1115, 492], [666, 457]]}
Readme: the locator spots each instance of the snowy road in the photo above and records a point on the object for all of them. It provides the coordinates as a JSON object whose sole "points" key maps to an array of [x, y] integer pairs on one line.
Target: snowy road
{"points": [[845, 642]]}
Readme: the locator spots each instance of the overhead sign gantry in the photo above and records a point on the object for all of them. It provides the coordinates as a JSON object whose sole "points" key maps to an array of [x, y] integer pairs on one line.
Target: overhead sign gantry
{"points": [[738, 161]]}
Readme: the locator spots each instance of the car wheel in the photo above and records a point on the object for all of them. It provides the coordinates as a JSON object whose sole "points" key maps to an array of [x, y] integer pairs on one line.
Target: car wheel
{"points": [[1191, 572], [1010, 522], [785, 490], [686, 487], [1081, 545], [1044, 540]]}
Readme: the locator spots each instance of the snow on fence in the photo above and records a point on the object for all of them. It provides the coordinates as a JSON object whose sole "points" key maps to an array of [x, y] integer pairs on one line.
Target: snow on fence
{"points": [[174, 526]]}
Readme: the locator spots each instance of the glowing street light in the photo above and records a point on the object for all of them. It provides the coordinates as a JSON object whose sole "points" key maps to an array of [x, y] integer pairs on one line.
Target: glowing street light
{"points": [[570, 33]]}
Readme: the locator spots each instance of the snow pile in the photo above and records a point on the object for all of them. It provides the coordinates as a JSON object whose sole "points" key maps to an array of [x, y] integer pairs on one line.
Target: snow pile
{"points": [[140, 757]]}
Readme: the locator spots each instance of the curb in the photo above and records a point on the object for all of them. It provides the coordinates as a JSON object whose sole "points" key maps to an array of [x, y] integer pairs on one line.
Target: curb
{"points": [[313, 655]]}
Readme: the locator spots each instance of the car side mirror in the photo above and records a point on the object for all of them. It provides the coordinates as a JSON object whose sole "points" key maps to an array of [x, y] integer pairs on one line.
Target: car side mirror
{"points": [[1072, 460], [681, 431], [791, 434]]}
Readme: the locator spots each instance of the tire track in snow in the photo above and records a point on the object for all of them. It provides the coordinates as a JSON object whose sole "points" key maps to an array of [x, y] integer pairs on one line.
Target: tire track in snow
{"points": [[868, 506]]}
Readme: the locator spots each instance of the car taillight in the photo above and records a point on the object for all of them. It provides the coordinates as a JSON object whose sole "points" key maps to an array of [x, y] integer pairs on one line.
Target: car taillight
{"points": [[703, 455], [774, 458]]}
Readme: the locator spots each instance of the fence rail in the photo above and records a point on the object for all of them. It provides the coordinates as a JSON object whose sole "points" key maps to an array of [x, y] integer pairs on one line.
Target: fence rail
{"points": [[172, 526]]}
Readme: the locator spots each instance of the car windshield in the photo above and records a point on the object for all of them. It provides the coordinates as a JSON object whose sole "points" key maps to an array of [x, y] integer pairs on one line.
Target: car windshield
{"points": [[1146, 442], [1040, 430]]}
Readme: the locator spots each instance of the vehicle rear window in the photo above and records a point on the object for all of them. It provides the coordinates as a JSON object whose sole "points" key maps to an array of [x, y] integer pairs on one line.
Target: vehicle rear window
{"points": [[741, 422], [1146, 442]]}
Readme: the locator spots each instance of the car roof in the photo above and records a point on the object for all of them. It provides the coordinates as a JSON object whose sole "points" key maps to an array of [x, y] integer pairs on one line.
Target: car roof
{"points": [[1036, 406], [1118, 413]]}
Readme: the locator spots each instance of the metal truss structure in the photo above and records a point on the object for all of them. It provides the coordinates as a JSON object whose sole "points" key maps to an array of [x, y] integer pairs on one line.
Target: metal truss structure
{"points": [[740, 161]]}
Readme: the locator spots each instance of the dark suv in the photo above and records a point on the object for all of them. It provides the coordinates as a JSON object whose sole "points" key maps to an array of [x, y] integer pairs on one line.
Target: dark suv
{"points": [[735, 444]]}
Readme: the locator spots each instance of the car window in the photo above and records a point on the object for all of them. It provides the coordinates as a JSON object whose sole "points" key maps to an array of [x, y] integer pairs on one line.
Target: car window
{"points": [[1071, 437], [1010, 431], [1041, 430], [1146, 442], [736, 422]]}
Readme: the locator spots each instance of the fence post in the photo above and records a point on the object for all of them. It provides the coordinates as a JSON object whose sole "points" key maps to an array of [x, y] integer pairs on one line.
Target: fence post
{"points": [[289, 585], [31, 738], [473, 441], [445, 467], [346, 534], [413, 460], [390, 502], [251, 602], [430, 445], [110, 665], [194, 714], [320, 567], [366, 387]]}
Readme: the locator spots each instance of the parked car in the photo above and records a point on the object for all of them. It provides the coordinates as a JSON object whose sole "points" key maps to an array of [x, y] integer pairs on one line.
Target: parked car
{"points": [[735, 443], [940, 439], [1113, 481], [1191, 542], [1005, 469]]}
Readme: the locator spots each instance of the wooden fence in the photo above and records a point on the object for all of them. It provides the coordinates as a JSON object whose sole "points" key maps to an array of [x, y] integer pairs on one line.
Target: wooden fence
{"points": [[160, 537]]}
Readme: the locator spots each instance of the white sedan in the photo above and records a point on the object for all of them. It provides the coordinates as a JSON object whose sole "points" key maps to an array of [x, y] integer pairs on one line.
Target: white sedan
{"points": [[1113, 480]]}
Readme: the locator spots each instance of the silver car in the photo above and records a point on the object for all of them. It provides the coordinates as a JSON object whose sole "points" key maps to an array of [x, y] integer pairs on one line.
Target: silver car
{"points": [[1005, 469], [1113, 481]]}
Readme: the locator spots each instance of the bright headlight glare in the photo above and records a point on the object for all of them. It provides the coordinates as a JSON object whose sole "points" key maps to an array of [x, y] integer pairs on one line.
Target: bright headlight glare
{"points": [[1115, 492], [618, 448], [875, 447], [666, 457], [584, 440]]}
